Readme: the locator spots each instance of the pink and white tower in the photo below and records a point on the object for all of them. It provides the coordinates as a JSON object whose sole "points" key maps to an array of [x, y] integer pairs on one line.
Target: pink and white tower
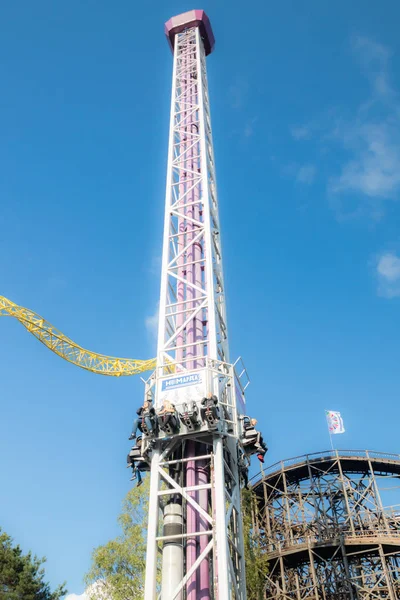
{"points": [[195, 525]]}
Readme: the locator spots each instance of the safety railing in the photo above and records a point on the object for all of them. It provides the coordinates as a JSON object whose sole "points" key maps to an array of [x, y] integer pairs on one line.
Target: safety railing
{"points": [[327, 454], [327, 537]]}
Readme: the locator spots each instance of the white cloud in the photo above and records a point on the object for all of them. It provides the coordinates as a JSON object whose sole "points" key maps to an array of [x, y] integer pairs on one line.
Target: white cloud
{"points": [[248, 130], [369, 50], [249, 127], [237, 92], [389, 267], [155, 265], [306, 174], [374, 58], [374, 169], [96, 591], [372, 141], [367, 146], [151, 323], [301, 173], [388, 273], [301, 133]]}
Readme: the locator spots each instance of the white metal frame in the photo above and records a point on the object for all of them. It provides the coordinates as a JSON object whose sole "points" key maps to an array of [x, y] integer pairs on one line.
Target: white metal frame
{"points": [[209, 298], [193, 295]]}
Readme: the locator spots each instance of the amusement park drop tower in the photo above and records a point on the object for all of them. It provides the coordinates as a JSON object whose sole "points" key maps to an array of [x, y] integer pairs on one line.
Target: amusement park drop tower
{"points": [[194, 474]]}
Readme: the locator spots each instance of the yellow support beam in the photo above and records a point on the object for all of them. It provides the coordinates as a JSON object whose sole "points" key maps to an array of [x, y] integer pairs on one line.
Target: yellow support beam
{"points": [[58, 343]]}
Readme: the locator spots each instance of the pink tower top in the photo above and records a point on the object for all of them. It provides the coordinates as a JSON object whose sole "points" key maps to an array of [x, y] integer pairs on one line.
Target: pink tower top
{"points": [[192, 18]]}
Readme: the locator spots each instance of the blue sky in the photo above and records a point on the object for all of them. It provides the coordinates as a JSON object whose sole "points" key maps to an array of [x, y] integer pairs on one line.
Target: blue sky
{"points": [[305, 107]]}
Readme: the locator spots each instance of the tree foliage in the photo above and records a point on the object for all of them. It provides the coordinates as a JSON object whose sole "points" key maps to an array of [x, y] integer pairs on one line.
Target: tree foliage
{"points": [[255, 556], [21, 575], [119, 565]]}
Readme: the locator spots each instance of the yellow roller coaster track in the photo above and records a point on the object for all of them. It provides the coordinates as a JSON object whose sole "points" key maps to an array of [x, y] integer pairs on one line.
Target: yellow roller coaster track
{"points": [[58, 343]]}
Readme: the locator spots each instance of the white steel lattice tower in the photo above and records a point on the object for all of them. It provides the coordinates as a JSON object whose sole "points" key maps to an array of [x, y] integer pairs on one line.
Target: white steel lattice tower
{"points": [[195, 522]]}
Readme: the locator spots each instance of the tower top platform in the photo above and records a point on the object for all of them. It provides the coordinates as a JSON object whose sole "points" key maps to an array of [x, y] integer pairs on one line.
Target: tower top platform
{"points": [[192, 18]]}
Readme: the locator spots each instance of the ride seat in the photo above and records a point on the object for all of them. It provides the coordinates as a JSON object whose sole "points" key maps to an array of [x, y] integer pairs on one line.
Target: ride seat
{"points": [[251, 436], [210, 411], [172, 426], [153, 422], [135, 458], [190, 416]]}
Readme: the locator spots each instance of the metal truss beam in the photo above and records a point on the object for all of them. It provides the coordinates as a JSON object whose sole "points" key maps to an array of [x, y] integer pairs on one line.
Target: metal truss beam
{"points": [[194, 476], [328, 535]]}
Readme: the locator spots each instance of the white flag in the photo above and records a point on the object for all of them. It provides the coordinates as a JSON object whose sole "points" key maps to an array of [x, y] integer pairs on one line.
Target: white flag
{"points": [[335, 422]]}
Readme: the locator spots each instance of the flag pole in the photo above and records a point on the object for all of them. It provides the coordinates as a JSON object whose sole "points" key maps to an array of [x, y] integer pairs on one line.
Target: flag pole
{"points": [[329, 431], [335, 423]]}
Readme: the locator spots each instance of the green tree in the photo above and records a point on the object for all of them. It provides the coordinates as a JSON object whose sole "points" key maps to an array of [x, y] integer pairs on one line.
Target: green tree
{"points": [[119, 565], [21, 575], [255, 556]]}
